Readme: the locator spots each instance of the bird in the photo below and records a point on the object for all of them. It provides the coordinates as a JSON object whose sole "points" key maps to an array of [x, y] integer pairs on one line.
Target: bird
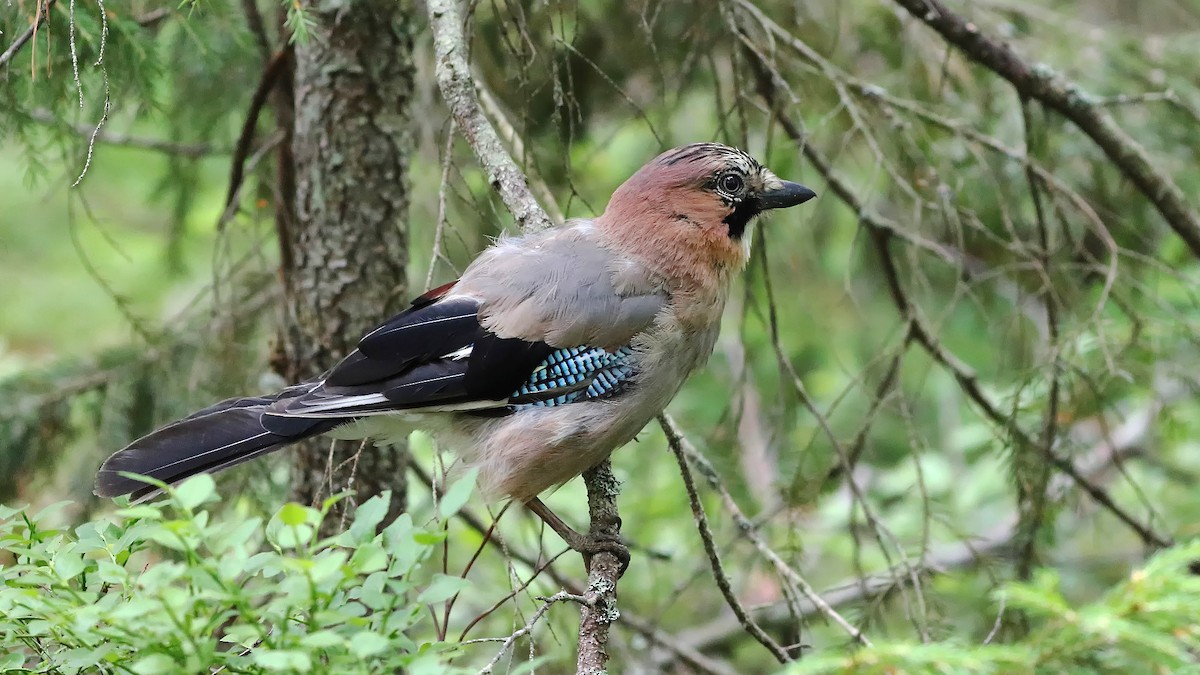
{"points": [[549, 352]]}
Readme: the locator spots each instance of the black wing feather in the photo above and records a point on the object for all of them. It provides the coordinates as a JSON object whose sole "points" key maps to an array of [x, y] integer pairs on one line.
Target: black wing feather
{"points": [[201, 443], [416, 359], [419, 335], [498, 366]]}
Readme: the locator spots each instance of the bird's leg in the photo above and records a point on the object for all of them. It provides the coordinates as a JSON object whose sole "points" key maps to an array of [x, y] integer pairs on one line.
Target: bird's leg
{"points": [[587, 544]]}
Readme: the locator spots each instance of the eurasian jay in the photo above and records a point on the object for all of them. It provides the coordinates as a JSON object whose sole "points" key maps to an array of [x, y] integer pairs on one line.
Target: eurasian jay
{"points": [[552, 350]]}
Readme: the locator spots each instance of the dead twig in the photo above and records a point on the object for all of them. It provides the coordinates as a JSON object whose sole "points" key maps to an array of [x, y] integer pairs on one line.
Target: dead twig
{"points": [[41, 14], [189, 150], [882, 232], [561, 596], [267, 83]]}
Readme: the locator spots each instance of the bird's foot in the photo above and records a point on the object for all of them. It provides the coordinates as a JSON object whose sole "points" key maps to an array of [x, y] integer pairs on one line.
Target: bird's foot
{"points": [[591, 544], [588, 545]]}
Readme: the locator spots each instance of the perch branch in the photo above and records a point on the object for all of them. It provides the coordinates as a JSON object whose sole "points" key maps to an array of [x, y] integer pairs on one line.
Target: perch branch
{"points": [[453, 74], [458, 89], [601, 612]]}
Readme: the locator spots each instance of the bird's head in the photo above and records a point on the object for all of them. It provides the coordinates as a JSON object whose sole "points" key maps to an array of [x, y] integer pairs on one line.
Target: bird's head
{"points": [[688, 211]]}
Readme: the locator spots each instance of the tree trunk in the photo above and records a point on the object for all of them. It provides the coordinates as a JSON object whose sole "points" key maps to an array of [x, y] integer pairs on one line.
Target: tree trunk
{"points": [[345, 244]]}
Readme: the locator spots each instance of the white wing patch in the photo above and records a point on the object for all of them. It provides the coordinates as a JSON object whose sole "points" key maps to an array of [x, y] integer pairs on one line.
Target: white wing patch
{"points": [[336, 403], [460, 354]]}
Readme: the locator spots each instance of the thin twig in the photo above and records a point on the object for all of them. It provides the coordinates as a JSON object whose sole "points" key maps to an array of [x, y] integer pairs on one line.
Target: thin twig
{"points": [[1033, 475], [190, 150], [1041, 83], [254, 21], [267, 82], [710, 548], [231, 208], [645, 627], [561, 596], [454, 79], [681, 444], [882, 232], [514, 140], [1122, 443], [41, 14]]}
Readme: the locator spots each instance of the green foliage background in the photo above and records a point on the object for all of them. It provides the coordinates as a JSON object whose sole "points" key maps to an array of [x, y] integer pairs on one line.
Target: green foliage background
{"points": [[126, 302]]}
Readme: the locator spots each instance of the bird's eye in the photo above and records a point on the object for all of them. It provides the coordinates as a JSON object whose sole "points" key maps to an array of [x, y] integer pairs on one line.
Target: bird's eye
{"points": [[730, 183]]}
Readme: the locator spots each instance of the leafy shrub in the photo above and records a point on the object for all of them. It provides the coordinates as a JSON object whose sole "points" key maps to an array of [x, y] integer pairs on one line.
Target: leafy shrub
{"points": [[172, 588], [1147, 624], [168, 587]]}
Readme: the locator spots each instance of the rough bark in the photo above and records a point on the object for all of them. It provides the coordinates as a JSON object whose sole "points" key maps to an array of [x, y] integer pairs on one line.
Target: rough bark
{"points": [[345, 246], [601, 612]]}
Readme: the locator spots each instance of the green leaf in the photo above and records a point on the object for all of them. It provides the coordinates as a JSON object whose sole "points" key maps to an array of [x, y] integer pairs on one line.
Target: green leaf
{"points": [[369, 558], [294, 537], [427, 538], [141, 512], [241, 634], [328, 563], [281, 659], [167, 539], [68, 564], [154, 664], [292, 514], [322, 639], [367, 643], [457, 495], [443, 587], [369, 515], [195, 491]]}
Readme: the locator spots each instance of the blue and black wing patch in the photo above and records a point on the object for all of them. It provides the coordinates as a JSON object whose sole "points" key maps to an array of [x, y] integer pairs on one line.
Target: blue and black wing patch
{"points": [[434, 356], [437, 356], [575, 374]]}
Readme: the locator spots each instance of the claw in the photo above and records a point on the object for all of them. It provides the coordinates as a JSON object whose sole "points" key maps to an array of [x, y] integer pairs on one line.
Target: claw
{"points": [[587, 545]]}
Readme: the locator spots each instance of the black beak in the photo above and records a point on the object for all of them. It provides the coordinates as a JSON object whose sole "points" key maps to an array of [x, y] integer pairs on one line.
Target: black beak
{"points": [[788, 194]]}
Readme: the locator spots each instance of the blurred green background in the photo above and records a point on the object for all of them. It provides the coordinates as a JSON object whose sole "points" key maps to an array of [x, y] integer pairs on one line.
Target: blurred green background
{"points": [[125, 305]]}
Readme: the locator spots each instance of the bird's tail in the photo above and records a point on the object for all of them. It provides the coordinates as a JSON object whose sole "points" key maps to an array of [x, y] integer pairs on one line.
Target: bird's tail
{"points": [[216, 438]]}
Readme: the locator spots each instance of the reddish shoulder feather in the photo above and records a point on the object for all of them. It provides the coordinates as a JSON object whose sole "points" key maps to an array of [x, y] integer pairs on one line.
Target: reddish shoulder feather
{"points": [[433, 294]]}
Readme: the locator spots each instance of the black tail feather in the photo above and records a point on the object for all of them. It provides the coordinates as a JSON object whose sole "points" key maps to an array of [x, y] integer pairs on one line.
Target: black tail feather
{"points": [[213, 439]]}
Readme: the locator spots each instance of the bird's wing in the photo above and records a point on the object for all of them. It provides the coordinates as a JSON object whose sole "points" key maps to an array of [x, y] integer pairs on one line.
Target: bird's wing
{"points": [[527, 324], [540, 321], [565, 289]]}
